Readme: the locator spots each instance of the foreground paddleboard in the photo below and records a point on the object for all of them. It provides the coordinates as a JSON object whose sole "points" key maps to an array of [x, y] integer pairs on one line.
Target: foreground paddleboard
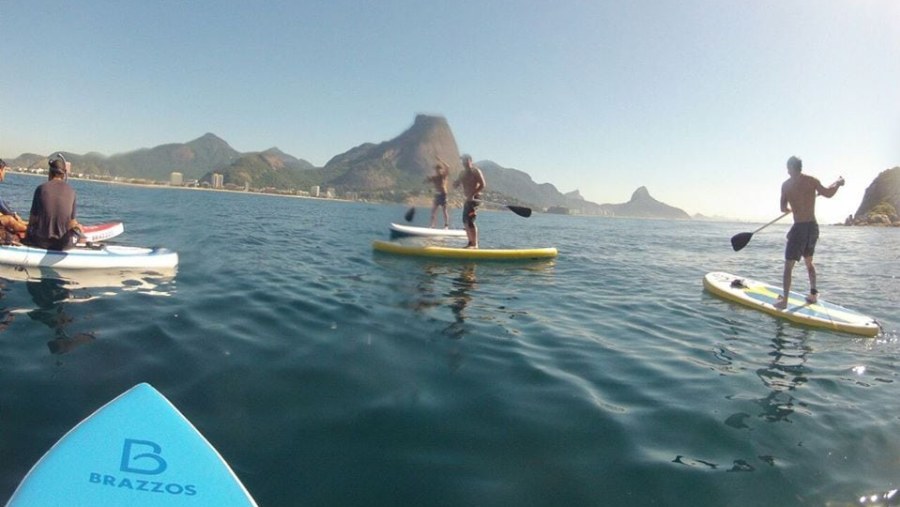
{"points": [[98, 257], [400, 230], [464, 253], [137, 450], [763, 296]]}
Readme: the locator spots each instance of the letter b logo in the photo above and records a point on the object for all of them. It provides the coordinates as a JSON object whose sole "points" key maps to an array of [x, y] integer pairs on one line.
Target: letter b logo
{"points": [[142, 457]]}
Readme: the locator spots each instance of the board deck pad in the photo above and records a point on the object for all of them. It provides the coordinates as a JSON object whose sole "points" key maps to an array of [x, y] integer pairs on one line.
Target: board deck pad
{"points": [[137, 450], [763, 296], [400, 230]]}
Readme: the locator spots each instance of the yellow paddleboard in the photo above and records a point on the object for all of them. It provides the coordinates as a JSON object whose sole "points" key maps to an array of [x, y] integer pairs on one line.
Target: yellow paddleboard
{"points": [[464, 253]]}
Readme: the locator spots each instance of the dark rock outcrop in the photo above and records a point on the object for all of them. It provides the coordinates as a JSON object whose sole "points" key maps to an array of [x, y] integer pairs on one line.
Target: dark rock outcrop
{"points": [[881, 201]]}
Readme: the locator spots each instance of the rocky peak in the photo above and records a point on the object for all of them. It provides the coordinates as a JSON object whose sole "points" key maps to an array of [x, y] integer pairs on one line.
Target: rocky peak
{"points": [[881, 202], [411, 155], [643, 205], [641, 195]]}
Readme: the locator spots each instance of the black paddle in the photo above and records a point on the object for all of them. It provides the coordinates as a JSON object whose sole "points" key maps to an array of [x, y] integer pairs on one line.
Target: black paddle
{"points": [[739, 241], [522, 211], [410, 213]]}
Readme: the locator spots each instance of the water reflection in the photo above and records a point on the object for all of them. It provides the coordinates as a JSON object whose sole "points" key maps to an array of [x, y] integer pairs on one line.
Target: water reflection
{"points": [[49, 296], [464, 287], [430, 292], [150, 281], [54, 291], [459, 296], [785, 373], [6, 315]]}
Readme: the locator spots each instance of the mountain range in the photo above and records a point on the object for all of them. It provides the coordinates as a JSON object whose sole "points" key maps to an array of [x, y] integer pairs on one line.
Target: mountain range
{"points": [[392, 171]]}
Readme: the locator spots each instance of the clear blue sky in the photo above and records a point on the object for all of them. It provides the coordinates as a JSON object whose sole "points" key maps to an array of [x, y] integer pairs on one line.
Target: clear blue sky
{"points": [[701, 101]]}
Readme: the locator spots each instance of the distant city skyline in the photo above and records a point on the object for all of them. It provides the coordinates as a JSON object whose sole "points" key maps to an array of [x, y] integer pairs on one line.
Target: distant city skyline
{"points": [[701, 102]]}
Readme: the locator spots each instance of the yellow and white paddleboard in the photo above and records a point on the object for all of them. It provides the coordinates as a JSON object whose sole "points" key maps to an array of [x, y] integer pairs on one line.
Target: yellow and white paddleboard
{"points": [[763, 296], [464, 253]]}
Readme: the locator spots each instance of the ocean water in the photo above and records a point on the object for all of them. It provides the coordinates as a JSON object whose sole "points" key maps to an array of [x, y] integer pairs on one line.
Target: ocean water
{"points": [[327, 374]]}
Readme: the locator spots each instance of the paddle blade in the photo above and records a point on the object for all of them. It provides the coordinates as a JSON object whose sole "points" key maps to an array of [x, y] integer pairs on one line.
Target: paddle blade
{"points": [[739, 241], [410, 214], [522, 211]]}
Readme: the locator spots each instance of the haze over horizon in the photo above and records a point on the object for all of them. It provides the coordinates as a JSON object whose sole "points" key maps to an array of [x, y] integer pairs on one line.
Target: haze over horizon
{"points": [[700, 102]]}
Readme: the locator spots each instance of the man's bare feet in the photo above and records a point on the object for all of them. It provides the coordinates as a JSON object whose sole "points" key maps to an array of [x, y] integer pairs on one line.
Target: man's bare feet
{"points": [[812, 298], [781, 304]]}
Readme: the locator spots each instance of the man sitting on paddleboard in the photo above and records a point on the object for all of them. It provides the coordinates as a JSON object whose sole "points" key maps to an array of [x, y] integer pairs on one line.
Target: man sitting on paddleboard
{"points": [[52, 223], [472, 182], [798, 196]]}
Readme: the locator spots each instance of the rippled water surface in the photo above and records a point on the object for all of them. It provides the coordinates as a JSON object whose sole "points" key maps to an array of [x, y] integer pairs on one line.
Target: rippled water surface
{"points": [[329, 375]]}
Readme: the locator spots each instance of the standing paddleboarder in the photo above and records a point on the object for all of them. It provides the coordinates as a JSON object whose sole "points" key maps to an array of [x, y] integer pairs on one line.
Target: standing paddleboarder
{"points": [[472, 181], [439, 180], [798, 196]]}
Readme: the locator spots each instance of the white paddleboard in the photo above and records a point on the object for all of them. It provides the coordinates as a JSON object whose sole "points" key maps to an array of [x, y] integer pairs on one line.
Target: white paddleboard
{"points": [[399, 230], [97, 257], [137, 450], [763, 296]]}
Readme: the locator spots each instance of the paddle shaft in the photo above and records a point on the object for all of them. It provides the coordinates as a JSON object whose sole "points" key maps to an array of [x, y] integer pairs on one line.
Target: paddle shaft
{"points": [[740, 240], [786, 213]]}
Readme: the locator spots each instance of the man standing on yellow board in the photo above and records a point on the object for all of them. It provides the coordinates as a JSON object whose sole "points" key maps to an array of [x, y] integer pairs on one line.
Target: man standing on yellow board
{"points": [[472, 181], [798, 196]]}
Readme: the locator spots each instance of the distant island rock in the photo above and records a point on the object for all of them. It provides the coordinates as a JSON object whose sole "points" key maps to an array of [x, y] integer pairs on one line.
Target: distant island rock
{"points": [[388, 171], [642, 205], [881, 201]]}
